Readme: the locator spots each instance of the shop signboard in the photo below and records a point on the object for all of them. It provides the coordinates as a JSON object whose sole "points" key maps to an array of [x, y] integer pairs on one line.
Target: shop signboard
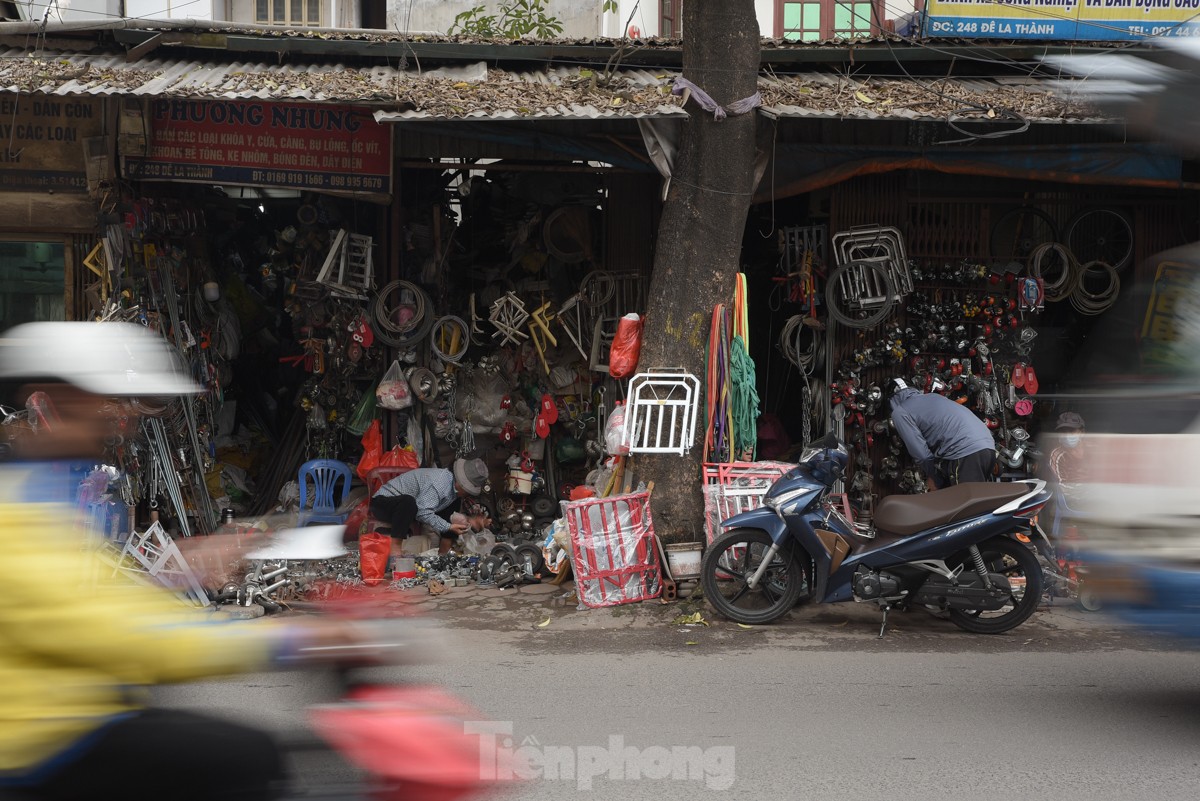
{"points": [[1062, 20], [42, 142], [1172, 321], [291, 145]]}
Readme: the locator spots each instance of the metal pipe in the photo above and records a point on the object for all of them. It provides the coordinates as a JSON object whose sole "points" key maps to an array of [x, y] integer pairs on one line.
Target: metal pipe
{"points": [[762, 568], [277, 572], [275, 586]]}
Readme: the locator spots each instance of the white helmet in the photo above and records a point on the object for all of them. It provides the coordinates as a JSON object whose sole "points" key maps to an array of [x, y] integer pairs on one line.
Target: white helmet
{"points": [[111, 359]]}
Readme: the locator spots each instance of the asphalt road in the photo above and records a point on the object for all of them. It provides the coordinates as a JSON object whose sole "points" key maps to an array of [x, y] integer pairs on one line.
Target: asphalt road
{"points": [[1067, 707]]}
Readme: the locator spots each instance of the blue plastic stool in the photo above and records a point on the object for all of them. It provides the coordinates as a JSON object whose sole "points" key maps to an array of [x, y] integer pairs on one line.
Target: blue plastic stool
{"points": [[324, 475]]}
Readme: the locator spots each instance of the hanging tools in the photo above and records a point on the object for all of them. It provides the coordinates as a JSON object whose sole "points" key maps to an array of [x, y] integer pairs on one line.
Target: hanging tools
{"points": [[539, 332], [508, 314]]}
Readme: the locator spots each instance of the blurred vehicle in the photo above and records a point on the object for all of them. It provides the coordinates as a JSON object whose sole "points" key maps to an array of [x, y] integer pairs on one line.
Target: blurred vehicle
{"points": [[408, 741], [1139, 509]]}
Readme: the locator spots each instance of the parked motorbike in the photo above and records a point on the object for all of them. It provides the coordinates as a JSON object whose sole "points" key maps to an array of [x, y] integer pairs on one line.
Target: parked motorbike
{"points": [[953, 550]]}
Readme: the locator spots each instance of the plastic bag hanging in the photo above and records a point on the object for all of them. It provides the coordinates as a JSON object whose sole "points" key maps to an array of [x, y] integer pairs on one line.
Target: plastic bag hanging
{"points": [[626, 347], [363, 413], [393, 392]]}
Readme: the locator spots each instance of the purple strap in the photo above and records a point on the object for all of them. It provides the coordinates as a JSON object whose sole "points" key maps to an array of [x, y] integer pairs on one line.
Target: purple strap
{"points": [[736, 108]]}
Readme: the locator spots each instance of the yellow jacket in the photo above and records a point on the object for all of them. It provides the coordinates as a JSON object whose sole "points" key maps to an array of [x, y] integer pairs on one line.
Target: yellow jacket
{"points": [[72, 657]]}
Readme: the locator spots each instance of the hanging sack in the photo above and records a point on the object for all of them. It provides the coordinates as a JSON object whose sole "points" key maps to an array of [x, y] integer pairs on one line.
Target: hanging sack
{"points": [[372, 445], [400, 457], [373, 551], [363, 413], [393, 391], [614, 433], [626, 347]]}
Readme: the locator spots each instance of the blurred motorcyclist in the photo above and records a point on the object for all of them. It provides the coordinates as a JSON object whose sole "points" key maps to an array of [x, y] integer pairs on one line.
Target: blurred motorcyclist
{"points": [[1068, 460], [73, 724]]}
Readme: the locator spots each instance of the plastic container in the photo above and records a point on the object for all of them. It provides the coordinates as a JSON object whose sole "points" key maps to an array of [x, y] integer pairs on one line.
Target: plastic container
{"points": [[683, 558], [403, 567]]}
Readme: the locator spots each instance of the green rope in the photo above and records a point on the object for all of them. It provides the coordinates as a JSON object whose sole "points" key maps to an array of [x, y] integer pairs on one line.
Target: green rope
{"points": [[744, 397]]}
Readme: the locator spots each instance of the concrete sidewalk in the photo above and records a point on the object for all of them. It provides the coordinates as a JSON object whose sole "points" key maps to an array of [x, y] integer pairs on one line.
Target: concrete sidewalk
{"points": [[551, 615]]}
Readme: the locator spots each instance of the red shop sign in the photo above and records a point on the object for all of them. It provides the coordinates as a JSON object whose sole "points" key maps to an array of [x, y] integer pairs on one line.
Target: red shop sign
{"points": [[293, 145]]}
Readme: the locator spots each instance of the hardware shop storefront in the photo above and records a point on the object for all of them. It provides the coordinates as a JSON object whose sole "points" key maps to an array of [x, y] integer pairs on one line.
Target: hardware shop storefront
{"points": [[47, 217]]}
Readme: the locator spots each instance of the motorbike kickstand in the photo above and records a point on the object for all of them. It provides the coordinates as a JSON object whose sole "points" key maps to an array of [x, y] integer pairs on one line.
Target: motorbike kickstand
{"points": [[883, 627]]}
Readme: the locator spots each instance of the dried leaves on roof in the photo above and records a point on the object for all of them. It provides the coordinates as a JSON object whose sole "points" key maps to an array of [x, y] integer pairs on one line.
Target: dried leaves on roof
{"points": [[505, 91], [936, 99], [526, 93], [33, 74]]}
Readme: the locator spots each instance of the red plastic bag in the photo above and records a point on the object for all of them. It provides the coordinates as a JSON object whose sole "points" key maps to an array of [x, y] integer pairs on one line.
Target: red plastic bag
{"points": [[360, 516], [372, 445], [400, 457], [373, 552], [626, 347]]}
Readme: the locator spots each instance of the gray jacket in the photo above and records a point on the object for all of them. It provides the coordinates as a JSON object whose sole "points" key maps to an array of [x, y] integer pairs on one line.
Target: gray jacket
{"points": [[934, 427]]}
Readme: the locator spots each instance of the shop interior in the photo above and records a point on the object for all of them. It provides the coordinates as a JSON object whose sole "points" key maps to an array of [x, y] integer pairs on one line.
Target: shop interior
{"points": [[475, 317]]}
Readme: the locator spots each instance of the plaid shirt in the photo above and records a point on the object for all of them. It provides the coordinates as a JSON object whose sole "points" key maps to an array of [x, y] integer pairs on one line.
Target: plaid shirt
{"points": [[431, 487]]}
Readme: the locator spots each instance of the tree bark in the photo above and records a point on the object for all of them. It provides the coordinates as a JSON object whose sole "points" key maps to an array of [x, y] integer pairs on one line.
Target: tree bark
{"points": [[700, 236]]}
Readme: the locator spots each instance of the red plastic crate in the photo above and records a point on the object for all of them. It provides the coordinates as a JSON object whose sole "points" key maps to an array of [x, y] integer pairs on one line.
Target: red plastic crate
{"points": [[613, 552]]}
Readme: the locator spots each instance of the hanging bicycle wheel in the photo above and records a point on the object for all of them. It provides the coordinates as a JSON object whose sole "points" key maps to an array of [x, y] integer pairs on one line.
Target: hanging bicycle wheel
{"points": [[1101, 235], [1018, 232], [860, 294]]}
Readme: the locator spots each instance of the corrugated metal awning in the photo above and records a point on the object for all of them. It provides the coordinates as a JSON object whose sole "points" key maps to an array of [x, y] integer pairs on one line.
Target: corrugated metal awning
{"points": [[824, 95], [475, 92], [470, 91]]}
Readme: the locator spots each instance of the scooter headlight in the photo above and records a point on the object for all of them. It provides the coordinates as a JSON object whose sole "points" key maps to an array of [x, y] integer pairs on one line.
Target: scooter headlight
{"points": [[789, 502]]}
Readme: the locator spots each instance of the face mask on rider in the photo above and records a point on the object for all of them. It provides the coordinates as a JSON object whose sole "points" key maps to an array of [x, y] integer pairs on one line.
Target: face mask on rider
{"points": [[1071, 440]]}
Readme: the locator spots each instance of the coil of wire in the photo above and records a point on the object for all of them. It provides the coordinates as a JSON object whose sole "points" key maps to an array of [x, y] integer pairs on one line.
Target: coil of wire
{"points": [[385, 317], [844, 290], [1065, 272], [1093, 303], [443, 330], [801, 344]]}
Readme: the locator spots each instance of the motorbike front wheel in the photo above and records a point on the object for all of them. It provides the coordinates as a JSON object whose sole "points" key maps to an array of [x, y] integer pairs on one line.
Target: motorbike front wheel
{"points": [[732, 560], [1020, 566]]}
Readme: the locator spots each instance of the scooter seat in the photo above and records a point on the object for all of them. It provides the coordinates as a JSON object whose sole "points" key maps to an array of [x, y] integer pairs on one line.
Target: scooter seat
{"points": [[904, 515]]}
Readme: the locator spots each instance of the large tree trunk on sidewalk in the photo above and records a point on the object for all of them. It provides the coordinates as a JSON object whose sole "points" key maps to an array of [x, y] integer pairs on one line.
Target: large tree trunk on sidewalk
{"points": [[700, 234]]}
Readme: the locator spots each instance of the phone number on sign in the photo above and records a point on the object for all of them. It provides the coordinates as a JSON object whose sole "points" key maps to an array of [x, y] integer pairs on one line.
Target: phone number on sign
{"points": [[319, 179]]}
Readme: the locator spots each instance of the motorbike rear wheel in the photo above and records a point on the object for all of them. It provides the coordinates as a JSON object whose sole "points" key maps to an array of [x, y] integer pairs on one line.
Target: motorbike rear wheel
{"points": [[1020, 565], [729, 564]]}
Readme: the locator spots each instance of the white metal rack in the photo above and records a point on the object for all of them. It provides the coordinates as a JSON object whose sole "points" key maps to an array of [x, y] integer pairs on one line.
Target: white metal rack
{"points": [[660, 416]]}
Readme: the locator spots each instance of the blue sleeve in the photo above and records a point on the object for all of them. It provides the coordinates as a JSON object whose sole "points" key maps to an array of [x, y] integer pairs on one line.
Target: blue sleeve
{"points": [[907, 428]]}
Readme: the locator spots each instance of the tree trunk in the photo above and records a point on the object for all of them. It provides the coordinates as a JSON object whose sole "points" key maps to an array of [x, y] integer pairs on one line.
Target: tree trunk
{"points": [[700, 235]]}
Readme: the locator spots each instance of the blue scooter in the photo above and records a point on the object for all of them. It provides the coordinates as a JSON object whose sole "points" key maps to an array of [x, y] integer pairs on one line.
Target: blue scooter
{"points": [[952, 550]]}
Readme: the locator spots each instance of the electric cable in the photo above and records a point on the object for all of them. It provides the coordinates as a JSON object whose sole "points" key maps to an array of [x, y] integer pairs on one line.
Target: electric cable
{"points": [[791, 343], [395, 334], [1063, 284], [845, 287], [438, 330], [1089, 303]]}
